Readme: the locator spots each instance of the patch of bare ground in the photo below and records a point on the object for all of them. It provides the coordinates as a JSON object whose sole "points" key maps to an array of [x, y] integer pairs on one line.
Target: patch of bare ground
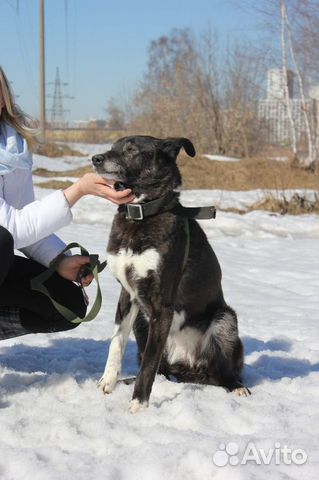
{"points": [[56, 150], [76, 172], [55, 184], [296, 205], [247, 174]]}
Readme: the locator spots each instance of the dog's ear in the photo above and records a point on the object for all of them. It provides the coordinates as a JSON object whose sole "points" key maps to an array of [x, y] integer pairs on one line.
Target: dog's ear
{"points": [[172, 146]]}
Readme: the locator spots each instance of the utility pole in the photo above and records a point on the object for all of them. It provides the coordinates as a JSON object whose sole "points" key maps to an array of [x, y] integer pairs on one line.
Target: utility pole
{"points": [[42, 73]]}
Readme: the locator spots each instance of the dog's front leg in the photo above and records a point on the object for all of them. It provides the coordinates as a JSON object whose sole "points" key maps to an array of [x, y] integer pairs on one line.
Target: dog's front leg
{"points": [[125, 317], [159, 327]]}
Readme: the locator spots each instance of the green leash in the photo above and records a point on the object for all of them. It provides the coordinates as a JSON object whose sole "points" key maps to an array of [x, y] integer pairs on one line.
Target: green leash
{"points": [[188, 239], [95, 267]]}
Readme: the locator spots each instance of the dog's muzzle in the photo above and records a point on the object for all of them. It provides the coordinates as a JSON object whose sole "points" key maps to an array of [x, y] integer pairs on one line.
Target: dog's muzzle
{"points": [[107, 168]]}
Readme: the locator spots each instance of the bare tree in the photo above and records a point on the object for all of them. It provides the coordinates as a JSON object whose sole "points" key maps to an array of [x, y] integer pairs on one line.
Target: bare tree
{"points": [[298, 27], [283, 22], [310, 140], [243, 80], [189, 90], [115, 115]]}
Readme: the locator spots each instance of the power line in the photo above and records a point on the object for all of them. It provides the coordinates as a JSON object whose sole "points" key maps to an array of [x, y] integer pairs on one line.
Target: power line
{"points": [[23, 45], [66, 15], [57, 110]]}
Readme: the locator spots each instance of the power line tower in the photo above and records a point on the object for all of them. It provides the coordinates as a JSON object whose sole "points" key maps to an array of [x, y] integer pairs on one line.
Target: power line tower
{"points": [[57, 110]]}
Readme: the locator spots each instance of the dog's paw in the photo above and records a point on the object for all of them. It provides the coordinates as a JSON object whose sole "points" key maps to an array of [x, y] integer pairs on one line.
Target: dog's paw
{"points": [[107, 383], [137, 406], [242, 392]]}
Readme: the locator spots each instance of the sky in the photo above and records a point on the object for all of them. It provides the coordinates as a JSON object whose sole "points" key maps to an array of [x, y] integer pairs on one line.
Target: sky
{"points": [[100, 46]]}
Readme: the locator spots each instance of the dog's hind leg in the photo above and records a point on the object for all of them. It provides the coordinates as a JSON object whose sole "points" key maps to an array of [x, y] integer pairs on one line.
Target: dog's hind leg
{"points": [[224, 351], [235, 384], [125, 317]]}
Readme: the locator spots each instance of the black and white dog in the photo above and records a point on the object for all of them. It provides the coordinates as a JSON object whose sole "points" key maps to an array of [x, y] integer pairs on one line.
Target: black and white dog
{"points": [[171, 279]]}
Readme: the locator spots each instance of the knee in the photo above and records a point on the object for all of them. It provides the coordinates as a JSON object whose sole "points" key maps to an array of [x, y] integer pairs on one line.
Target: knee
{"points": [[6, 241]]}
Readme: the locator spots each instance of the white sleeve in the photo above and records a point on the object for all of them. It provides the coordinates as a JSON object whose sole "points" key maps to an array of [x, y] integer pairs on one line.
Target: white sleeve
{"points": [[32, 225], [45, 250]]}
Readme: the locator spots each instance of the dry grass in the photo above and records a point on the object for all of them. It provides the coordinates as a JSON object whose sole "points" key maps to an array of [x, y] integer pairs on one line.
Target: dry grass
{"points": [[76, 172], [55, 184], [84, 135], [54, 150], [248, 174], [297, 205]]}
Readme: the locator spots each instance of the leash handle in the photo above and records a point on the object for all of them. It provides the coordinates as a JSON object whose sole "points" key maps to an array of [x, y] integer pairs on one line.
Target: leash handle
{"points": [[37, 283]]}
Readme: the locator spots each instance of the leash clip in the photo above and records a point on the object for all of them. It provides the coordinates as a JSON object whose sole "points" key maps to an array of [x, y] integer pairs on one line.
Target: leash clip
{"points": [[85, 295]]}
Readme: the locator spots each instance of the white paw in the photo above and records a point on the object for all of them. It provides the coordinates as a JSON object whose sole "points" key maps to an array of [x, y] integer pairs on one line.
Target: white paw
{"points": [[241, 392], [137, 406], [107, 383]]}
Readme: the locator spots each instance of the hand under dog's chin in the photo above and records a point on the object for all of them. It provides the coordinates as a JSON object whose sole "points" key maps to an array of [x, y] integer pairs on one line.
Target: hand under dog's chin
{"points": [[112, 176]]}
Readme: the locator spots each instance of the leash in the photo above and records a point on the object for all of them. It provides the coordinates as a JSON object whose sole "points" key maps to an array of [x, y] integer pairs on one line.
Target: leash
{"points": [[188, 241], [95, 267]]}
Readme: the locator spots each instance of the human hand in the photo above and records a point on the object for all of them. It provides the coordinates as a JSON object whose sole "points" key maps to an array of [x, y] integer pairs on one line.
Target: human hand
{"points": [[69, 268], [93, 184]]}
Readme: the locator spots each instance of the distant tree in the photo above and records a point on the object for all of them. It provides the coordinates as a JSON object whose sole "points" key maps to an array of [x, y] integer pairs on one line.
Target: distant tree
{"points": [[283, 31], [297, 23], [115, 115], [193, 88], [243, 81]]}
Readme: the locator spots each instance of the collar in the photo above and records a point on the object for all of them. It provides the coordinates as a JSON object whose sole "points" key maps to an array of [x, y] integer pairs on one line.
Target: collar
{"points": [[138, 211], [167, 203]]}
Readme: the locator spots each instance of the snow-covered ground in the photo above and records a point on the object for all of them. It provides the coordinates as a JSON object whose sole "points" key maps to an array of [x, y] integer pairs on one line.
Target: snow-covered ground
{"points": [[221, 158], [56, 425], [225, 158]]}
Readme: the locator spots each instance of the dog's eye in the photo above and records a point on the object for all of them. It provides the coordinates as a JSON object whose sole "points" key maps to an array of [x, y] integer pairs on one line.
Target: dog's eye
{"points": [[129, 148]]}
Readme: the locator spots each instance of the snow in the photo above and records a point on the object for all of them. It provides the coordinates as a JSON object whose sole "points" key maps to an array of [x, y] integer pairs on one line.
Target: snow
{"points": [[93, 210], [221, 158], [224, 158], [60, 164], [56, 424]]}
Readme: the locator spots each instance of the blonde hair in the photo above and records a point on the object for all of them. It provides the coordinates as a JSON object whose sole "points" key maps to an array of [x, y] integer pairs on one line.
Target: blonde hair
{"points": [[14, 116]]}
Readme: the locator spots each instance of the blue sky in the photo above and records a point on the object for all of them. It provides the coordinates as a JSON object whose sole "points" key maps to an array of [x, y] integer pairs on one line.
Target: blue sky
{"points": [[101, 50]]}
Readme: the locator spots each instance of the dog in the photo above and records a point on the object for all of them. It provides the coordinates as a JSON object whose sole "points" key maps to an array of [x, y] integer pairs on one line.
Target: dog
{"points": [[171, 293]]}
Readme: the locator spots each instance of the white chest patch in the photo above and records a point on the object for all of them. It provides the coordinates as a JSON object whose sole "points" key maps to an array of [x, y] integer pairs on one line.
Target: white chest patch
{"points": [[181, 345], [141, 263]]}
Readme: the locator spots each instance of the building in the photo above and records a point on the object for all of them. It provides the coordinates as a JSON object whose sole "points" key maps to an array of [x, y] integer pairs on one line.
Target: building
{"points": [[276, 84], [92, 123], [273, 109]]}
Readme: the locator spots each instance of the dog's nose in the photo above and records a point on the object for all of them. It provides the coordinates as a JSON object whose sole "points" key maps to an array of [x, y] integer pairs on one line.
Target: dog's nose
{"points": [[97, 159]]}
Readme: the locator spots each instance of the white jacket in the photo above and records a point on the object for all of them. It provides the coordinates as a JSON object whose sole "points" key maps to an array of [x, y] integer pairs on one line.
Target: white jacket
{"points": [[30, 222]]}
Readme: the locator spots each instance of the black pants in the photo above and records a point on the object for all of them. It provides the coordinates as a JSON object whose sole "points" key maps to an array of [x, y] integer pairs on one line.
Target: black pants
{"points": [[31, 311]]}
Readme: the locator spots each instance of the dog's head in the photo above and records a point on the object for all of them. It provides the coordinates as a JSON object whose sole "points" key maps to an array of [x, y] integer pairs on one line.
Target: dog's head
{"points": [[145, 164]]}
